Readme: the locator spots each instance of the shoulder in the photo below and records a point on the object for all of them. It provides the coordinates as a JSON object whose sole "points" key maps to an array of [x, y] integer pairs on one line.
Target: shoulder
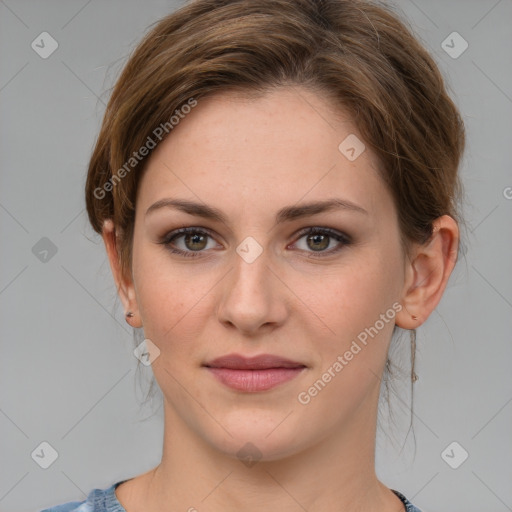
{"points": [[98, 500], [409, 507], [71, 506]]}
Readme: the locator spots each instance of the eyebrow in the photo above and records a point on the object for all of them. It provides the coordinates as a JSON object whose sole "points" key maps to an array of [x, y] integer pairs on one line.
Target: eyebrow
{"points": [[287, 213]]}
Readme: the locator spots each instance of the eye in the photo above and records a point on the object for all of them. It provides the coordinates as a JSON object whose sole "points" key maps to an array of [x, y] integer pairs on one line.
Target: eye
{"points": [[317, 240], [194, 241]]}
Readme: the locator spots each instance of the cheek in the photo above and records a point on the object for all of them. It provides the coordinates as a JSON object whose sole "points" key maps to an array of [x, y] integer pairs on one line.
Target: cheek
{"points": [[165, 296], [356, 293], [358, 306], [356, 303]]}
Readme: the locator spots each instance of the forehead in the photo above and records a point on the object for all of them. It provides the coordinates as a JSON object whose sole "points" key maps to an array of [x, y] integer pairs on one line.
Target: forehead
{"points": [[281, 146]]}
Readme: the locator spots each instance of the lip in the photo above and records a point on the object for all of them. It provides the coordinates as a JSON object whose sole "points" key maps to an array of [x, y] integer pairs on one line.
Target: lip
{"points": [[261, 362], [253, 374]]}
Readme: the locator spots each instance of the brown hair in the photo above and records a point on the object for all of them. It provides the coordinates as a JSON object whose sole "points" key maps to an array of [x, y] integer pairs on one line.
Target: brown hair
{"points": [[356, 53]]}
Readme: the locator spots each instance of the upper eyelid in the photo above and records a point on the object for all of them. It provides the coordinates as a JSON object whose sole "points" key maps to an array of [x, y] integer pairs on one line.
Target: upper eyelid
{"points": [[174, 234]]}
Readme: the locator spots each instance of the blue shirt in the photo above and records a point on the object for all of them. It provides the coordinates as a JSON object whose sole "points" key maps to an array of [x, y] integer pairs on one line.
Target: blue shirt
{"points": [[105, 500]]}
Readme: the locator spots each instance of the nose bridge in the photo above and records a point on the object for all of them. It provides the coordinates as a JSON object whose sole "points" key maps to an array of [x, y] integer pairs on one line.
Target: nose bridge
{"points": [[250, 277], [251, 293]]}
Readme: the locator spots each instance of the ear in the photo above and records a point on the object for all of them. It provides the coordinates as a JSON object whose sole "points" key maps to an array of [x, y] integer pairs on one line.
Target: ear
{"points": [[427, 271], [124, 284]]}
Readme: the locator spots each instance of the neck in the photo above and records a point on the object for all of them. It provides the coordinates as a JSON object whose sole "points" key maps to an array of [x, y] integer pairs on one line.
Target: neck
{"points": [[337, 473]]}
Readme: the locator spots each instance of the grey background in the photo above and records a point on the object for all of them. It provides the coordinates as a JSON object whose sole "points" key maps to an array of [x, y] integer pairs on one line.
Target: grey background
{"points": [[67, 372]]}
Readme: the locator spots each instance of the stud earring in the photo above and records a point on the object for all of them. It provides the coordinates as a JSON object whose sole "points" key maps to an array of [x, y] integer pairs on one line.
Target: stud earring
{"points": [[129, 314]]}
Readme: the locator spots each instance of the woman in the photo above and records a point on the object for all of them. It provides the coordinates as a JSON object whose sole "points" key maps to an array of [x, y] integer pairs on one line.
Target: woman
{"points": [[276, 185]]}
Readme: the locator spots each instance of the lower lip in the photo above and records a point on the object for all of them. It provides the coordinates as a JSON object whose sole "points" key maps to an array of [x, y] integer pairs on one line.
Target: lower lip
{"points": [[255, 380]]}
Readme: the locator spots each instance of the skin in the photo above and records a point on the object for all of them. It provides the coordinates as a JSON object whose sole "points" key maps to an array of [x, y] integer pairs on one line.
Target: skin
{"points": [[249, 158]]}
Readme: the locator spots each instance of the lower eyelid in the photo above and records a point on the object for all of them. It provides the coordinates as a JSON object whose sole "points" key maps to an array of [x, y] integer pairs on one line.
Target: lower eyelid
{"points": [[170, 243], [342, 239], [309, 254], [341, 242]]}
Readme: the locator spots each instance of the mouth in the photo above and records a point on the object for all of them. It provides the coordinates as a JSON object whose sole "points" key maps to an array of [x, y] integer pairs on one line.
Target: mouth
{"points": [[254, 374]]}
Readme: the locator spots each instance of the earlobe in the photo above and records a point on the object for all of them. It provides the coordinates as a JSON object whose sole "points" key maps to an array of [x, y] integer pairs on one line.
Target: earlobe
{"points": [[427, 273], [124, 285]]}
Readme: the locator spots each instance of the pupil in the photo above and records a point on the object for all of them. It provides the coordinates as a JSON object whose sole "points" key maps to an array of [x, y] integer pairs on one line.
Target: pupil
{"points": [[196, 239], [319, 238]]}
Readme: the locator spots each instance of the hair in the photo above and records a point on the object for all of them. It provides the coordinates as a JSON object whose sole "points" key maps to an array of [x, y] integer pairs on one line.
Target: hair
{"points": [[357, 54]]}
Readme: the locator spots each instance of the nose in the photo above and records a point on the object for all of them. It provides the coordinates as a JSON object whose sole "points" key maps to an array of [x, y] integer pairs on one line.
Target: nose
{"points": [[254, 299]]}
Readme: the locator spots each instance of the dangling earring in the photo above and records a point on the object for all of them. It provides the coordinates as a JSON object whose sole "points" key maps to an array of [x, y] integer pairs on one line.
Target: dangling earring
{"points": [[414, 377]]}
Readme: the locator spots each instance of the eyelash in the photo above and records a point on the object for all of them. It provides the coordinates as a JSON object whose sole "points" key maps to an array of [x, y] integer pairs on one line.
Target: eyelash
{"points": [[338, 236]]}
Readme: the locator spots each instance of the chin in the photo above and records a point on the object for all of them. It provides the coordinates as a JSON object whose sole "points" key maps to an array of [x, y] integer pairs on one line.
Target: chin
{"points": [[258, 437]]}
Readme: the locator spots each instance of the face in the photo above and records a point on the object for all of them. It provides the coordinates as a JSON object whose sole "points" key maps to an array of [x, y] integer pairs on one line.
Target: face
{"points": [[271, 273]]}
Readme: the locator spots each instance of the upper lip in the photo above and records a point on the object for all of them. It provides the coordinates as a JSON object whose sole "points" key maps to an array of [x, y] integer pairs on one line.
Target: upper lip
{"points": [[261, 362]]}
